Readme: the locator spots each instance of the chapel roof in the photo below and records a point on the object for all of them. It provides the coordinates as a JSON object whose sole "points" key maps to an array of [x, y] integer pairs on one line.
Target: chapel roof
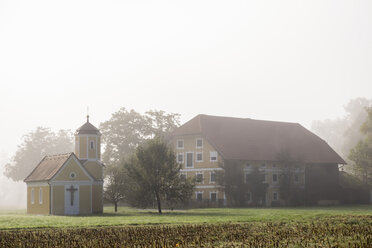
{"points": [[48, 167], [259, 140], [88, 128]]}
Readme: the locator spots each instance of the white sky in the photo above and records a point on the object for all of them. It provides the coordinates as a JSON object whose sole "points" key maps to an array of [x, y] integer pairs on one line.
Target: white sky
{"points": [[295, 61]]}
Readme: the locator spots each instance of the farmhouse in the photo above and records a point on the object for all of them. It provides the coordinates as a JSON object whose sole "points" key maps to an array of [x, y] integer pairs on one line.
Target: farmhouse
{"points": [[72, 183], [205, 144]]}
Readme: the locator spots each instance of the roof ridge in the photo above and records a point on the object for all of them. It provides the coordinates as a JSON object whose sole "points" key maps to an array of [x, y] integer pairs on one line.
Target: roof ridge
{"points": [[59, 154], [241, 118]]}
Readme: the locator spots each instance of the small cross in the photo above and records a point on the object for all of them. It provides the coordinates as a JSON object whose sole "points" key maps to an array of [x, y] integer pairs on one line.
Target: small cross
{"points": [[72, 191]]}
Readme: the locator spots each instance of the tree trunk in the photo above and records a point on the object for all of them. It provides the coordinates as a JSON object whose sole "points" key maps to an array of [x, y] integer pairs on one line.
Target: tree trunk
{"points": [[158, 201], [116, 207]]}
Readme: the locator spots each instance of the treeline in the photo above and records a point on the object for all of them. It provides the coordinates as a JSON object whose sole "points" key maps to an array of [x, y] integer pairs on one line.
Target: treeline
{"points": [[140, 167]]}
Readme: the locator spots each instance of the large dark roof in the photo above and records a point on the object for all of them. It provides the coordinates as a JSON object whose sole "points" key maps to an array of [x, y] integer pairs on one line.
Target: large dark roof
{"points": [[257, 140], [88, 128]]}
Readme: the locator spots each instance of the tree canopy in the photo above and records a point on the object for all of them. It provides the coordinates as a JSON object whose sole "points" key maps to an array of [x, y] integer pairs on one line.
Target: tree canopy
{"points": [[153, 173], [361, 154], [35, 145], [242, 187], [126, 129]]}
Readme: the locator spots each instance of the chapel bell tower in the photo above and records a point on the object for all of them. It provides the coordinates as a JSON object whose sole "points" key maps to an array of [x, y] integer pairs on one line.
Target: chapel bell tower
{"points": [[88, 142]]}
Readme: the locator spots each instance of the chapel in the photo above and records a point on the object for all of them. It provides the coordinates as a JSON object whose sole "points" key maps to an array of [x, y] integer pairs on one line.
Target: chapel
{"points": [[70, 183]]}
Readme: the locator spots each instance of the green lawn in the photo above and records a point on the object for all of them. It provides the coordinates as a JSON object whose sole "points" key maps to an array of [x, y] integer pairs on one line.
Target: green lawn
{"points": [[16, 219]]}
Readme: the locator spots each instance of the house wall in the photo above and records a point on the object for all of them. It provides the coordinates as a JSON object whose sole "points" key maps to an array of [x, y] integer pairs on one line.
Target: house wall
{"points": [[205, 166], [36, 207], [271, 170]]}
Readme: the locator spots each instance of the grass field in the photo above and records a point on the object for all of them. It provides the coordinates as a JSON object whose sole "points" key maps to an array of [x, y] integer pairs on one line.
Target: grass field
{"points": [[225, 227], [15, 219]]}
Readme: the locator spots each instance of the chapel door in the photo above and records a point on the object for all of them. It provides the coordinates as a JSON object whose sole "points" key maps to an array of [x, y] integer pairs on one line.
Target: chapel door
{"points": [[71, 199]]}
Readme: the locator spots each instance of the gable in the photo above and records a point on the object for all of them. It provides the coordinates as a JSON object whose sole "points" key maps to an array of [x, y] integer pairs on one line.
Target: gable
{"points": [[72, 165]]}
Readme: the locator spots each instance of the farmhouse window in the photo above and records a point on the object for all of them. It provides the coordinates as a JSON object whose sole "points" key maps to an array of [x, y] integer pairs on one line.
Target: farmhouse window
{"points": [[213, 156], [180, 158], [199, 177], [275, 196], [199, 196], [213, 197], [40, 196], [179, 144], [199, 143], [213, 177], [199, 157], [275, 178], [32, 196], [189, 159]]}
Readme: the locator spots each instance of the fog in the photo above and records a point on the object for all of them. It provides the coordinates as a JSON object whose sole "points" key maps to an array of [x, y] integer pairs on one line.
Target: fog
{"points": [[12, 194], [295, 61]]}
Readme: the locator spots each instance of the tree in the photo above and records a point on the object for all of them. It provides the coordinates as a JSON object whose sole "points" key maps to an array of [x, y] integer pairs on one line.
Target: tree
{"points": [[361, 154], [256, 186], [238, 184], [34, 147], [115, 186], [153, 173], [290, 191], [125, 130]]}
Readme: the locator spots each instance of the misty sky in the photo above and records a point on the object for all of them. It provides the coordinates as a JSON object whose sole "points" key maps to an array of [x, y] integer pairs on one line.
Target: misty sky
{"points": [[295, 61]]}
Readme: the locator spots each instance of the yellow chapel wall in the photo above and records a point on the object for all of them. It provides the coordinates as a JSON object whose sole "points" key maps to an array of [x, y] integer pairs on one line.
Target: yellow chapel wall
{"points": [[97, 200], [58, 200], [72, 166], [92, 152], [99, 148], [84, 199], [82, 147], [36, 207], [77, 145], [94, 169]]}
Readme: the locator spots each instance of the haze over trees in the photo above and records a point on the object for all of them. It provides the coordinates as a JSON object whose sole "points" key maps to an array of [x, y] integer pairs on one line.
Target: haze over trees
{"points": [[361, 154], [35, 145], [126, 129], [342, 134], [153, 173]]}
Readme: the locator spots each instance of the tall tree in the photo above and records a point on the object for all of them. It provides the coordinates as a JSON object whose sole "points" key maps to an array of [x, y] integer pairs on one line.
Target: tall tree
{"points": [[361, 154], [126, 129], [34, 147], [115, 186], [153, 173]]}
